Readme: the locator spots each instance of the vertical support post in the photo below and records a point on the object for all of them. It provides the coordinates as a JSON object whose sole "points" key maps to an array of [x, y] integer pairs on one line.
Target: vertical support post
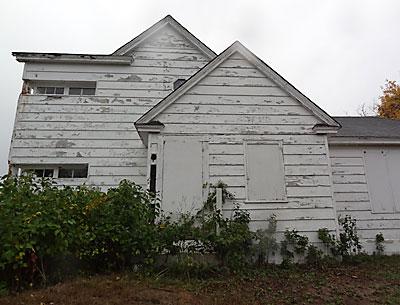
{"points": [[218, 195]]}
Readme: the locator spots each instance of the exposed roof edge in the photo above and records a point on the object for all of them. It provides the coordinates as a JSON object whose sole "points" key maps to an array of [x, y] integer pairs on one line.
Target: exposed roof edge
{"points": [[258, 63], [145, 129], [159, 25], [72, 58], [325, 129], [363, 141]]}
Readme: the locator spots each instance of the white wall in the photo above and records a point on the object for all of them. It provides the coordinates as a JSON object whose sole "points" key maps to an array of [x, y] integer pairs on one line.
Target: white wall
{"points": [[100, 130], [236, 103], [353, 190]]}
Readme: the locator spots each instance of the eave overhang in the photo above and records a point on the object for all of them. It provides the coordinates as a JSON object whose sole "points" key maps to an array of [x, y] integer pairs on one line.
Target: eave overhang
{"points": [[325, 129], [145, 129], [72, 58], [363, 141]]}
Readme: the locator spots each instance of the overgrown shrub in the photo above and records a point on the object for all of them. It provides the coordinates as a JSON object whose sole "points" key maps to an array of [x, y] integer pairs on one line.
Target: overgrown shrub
{"points": [[348, 242], [294, 243], [38, 221], [120, 228], [42, 224]]}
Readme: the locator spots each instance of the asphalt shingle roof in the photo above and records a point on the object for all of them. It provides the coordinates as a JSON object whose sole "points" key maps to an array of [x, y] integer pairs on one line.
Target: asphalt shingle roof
{"points": [[368, 127]]}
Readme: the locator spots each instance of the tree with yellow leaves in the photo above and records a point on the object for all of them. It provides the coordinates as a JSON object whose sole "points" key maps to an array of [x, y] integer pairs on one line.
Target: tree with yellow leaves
{"points": [[389, 106]]}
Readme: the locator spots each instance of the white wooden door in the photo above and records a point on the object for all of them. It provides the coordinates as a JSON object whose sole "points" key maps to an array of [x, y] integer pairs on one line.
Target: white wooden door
{"points": [[182, 190]]}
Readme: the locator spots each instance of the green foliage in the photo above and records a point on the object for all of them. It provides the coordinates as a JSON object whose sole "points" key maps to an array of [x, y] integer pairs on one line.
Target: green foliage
{"points": [[210, 204], [348, 243], [37, 221], [314, 256], [120, 229], [329, 240], [265, 242], [233, 241], [379, 240], [294, 243]]}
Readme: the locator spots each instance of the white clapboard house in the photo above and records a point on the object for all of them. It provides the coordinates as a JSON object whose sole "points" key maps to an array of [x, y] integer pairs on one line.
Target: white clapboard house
{"points": [[167, 112]]}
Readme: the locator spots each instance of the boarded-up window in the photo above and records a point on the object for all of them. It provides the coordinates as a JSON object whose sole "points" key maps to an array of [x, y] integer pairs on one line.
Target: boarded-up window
{"points": [[264, 170], [182, 175], [383, 178]]}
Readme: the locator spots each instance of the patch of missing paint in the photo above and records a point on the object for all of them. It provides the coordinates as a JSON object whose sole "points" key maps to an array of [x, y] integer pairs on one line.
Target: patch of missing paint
{"points": [[116, 100], [50, 98], [64, 144], [130, 78], [99, 100], [104, 109], [79, 155], [108, 75], [60, 153]]}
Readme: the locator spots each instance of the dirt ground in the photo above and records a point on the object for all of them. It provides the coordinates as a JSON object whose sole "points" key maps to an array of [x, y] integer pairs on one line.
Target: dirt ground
{"points": [[373, 282]]}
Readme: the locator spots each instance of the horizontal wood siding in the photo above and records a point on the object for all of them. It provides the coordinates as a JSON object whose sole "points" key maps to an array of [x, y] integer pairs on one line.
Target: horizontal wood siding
{"points": [[99, 129], [352, 198], [236, 102]]}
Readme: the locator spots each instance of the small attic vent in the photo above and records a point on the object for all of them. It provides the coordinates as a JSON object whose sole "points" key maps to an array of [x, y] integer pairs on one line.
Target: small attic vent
{"points": [[179, 82]]}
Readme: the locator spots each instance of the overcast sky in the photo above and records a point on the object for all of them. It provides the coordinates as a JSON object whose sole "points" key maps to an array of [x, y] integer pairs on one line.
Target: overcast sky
{"points": [[338, 53]]}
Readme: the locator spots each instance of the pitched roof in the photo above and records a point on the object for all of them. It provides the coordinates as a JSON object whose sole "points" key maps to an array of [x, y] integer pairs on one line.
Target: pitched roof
{"points": [[371, 127], [167, 20], [259, 64]]}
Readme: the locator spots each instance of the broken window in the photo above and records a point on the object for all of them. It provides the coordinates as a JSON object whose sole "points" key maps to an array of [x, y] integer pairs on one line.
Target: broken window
{"points": [[54, 171], [81, 91], [73, 171], [39, 172], [55, 87], [50, 90]]}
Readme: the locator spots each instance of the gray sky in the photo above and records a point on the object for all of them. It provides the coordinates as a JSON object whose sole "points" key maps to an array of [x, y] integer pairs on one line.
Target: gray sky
{"points": [[338, 53]]}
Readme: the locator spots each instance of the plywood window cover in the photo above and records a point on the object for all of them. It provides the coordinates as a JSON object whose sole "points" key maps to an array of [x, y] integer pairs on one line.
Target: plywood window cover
{"points": [[373, 211], [263, 142]]}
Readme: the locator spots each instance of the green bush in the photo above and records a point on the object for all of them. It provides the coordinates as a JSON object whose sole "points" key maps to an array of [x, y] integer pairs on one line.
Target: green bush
{"points": [[42, 225], [38, 221], [348, 243], [120, 228]]}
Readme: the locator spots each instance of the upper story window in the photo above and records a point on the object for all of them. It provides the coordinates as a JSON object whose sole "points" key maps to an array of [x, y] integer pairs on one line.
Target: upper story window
{"points": [[73, 171], [81, 91], [63, 171], [50, 90], [75, 88], [43, 172]]}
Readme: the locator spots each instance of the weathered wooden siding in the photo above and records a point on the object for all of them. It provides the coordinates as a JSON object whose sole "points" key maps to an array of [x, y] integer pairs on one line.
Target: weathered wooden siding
{"points": [[236, 103], [100, 130], [351, 194]]}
